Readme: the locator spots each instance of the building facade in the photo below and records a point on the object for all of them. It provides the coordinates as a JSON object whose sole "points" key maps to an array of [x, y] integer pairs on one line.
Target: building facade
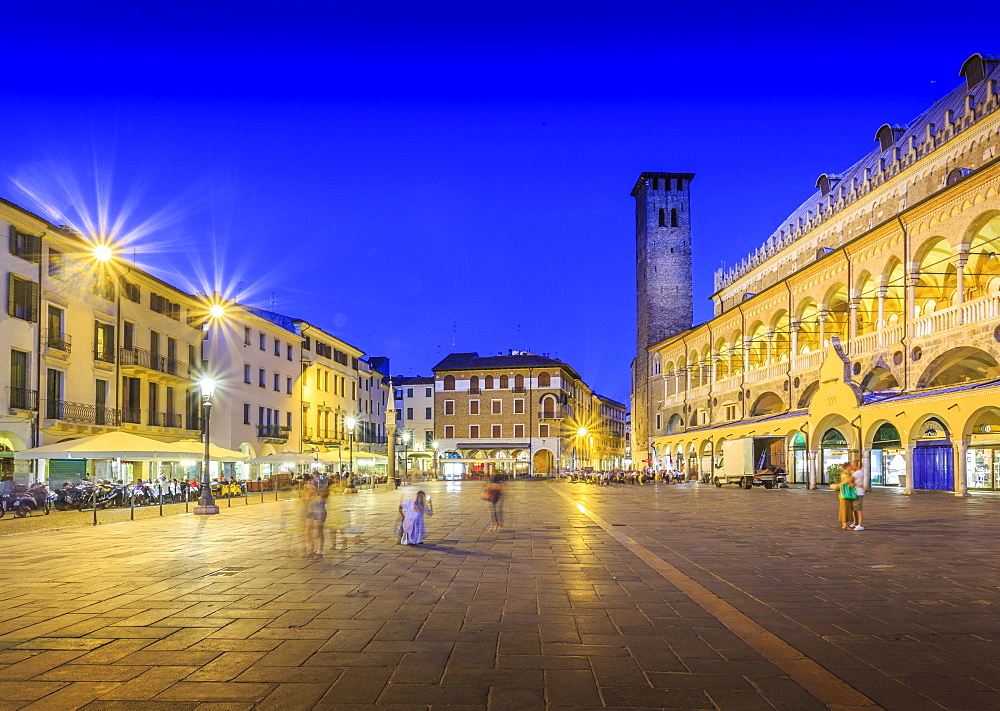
{"points": [[867, 326], [520, 414], [414, 398]]}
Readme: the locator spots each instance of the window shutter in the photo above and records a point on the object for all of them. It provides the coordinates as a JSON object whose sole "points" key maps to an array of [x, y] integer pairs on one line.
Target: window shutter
{"points": [[33, 304], [10, 292], [34, 248], [12, 242]]}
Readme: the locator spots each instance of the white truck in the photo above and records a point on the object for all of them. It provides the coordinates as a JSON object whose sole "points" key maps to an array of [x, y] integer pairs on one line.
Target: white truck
{"points": [[752, 461]]}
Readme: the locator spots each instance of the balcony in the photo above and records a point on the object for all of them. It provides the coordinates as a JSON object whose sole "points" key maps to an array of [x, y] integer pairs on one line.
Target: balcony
{"points": [[137, 357], [168, 419], [549, 415], [104, 354], [475, 391], [273, 433], [22, 399], [518, 389], [132, 415], [81, 414], [57, 341]]}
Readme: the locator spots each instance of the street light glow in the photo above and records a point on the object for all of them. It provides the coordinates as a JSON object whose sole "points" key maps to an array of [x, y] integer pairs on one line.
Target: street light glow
{"points": [[350, 424], [103, 253], [582, 432], [207, 386]]}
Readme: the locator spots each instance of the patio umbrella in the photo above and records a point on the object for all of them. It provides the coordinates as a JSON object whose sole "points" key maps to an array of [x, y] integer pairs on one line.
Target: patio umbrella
{"points": [[218, 454], [109, 445], [282, 458]]}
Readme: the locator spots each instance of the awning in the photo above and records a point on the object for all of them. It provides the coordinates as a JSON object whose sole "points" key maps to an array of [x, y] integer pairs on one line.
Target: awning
{"points": [[492, 446], [110, 445]]}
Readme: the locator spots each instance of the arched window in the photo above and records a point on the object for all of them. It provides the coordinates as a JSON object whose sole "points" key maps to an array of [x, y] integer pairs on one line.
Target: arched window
{"points": [[519, 381], [449, 382], [673, 216], [503, 382], [489, 382], [548, 407], [544, 380], [474, 384], [663, 217]]}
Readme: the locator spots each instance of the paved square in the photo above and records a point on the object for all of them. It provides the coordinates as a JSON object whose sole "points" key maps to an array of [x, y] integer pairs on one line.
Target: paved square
{"points": [[686, 597]]}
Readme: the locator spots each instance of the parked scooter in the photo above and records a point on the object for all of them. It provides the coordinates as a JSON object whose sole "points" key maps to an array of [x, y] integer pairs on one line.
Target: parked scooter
{"points": [[18, 501]]}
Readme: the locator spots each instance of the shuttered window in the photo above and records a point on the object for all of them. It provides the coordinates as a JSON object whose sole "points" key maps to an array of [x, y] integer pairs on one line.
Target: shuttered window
{"points": [[25, 246], [22, 298]]}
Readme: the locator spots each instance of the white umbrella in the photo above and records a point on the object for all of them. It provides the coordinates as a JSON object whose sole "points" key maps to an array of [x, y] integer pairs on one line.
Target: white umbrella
{"points": [[282, 458], [218, 454], [109, 445]]}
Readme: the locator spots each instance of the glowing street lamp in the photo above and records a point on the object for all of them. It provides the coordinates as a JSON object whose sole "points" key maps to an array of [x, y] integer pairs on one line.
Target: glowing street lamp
{"points": [[206, 504], [407, 436], [351, 423]]}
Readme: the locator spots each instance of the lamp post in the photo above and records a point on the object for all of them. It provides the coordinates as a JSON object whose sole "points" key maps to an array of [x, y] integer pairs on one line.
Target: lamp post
{"points": [[407, 435], [206, 504], [351, 422], [581, 435]]}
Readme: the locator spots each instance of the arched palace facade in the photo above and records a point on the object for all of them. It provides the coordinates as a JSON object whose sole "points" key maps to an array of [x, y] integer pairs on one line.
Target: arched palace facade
{"points": [[868, 326]]}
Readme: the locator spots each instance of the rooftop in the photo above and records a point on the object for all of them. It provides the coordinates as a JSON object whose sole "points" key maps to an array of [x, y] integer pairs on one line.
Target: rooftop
{"points": [[516, 359]]}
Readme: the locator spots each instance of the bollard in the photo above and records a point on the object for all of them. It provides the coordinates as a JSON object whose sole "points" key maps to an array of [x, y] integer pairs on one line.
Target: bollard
{"points": [[131, 505], [161, 498], [95, 505]]}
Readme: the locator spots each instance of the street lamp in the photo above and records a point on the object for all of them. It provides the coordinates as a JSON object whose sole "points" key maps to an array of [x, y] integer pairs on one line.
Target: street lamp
{"points": [[407, 436], [351, 423], [206, 504]]}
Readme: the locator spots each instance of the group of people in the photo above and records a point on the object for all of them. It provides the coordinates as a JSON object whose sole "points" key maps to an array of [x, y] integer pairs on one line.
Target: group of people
{"points": [[851, 492]]}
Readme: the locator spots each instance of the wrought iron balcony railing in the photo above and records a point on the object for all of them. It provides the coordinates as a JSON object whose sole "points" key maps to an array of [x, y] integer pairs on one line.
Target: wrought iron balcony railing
{"points": [[81, 413], [272, 432], [57, 341], [104, 353], [22, 399], [132, 415], [154, 361]]}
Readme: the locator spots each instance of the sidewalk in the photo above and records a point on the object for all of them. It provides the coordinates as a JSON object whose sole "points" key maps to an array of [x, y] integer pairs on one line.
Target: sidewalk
{"points": [[591, 597]]}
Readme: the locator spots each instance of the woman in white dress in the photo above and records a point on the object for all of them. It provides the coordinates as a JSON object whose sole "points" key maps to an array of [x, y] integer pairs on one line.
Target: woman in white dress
{"points": [[411, 514]]}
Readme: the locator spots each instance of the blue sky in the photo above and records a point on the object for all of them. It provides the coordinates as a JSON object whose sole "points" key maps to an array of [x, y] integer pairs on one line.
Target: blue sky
{"points": [[443, 176]]}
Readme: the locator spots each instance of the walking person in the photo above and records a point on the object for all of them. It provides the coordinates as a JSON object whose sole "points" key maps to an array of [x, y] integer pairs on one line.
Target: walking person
{"points": [[493, 492], [316, 522], [858, 478], [847, 495], [411, 514]]}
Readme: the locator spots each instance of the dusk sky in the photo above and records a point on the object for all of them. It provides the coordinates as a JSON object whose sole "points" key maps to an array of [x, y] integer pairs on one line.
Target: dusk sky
{"points": [[428, 178]]}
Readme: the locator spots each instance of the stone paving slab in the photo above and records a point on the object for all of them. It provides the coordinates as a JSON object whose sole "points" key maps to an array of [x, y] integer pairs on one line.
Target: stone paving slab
{"points": [[553, 612]]}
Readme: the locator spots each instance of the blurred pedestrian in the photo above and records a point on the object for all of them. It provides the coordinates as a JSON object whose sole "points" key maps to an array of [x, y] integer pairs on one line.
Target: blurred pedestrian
{"points": [[847, 496], [411, 513], [858, 479], [316, 522], [493, 493]]}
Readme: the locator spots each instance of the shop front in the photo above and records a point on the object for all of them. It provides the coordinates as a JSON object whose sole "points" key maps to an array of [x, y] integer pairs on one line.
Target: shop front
{"points": [[798, 472], [887, 461], [982, 458], [933, 461], [834, 454]]}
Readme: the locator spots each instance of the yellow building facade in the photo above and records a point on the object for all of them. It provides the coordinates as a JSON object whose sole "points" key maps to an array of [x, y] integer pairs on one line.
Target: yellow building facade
{"points": [[866, 327]]}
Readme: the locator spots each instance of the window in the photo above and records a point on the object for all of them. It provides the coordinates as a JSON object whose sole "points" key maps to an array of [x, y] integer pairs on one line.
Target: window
{"points": [[519, 430], [449, 407], [474, 384], [473, 407], [544, 380], [306, 344], [663, 217], [428, 392], [246, 413], [519, 406], [449, 382], [496, 431], [261, 378], [161, 305], [428, 413], [673, 213], [104, 342], [22, 298], [409, 413], [130, 290], [449, 431], [288, 421], [496, 407], [288, 385], [277, 382], [104, 286], [56, 263], [489, 382], [54, 394], [543, 430], [246, 336], [263, 341], [474, 431], [290, 352], [55, 337], [277, 347], [25, 246], [246, 373], [519, 383], [20, 395]]}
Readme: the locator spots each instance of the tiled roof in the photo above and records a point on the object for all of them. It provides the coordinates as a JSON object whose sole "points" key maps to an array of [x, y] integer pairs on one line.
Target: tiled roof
{"points": [[473, 361], [401, 381]]}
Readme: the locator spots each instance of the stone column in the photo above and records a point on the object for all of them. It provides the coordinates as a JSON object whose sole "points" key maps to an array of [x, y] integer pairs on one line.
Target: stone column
{"points": [[746, 354], [908, 455], [960, 263], [822, 328], [715, 366], [794, 325], [911, 298], [853, 324], [770, 339], [814, 464], [880, 324], [866, 466], [961, 449]]}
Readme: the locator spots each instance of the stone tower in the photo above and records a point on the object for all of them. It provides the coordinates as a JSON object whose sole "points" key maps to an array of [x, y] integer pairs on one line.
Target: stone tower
{"points": [[663, 285]]}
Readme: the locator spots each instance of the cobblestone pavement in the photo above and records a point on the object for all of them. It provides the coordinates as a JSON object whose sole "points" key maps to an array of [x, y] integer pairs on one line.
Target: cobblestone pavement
{"points": [[686, 597]]}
